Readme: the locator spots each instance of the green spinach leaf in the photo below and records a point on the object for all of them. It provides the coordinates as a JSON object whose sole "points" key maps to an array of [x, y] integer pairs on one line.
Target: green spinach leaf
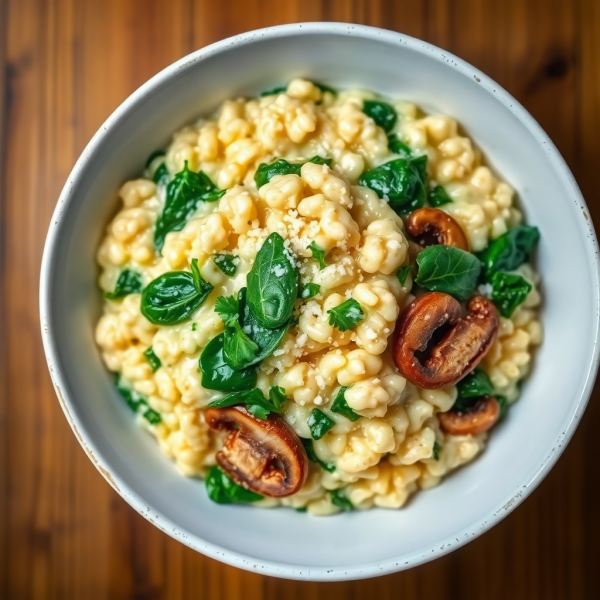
{"points": [[266, 172], [312, 456], [397, 146], [508, 291], [319, 423], [137, 402], [172, 297], [510, 250], [128, 282], [154, 361], [318, 254], [184, 192], [223, 490], [272, 283], [339, 499], [282, 89], [436, 450], [448, 269], [218, 375], [341, 407], [475, 385], [438, 197], [382, 113], [227, 263], [310, 290], [503, 403], [402, 274], [401, 182], [254, 401], [267, 339], [346, 315]]}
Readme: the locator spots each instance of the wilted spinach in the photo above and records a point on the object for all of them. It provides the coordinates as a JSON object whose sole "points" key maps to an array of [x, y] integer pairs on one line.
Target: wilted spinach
{"points": [[184, 192], [310, 452], [173, 297], [223, 490], [319, 423], [508, 291], [449, 270], [382, 113], [401, 182], [129, 282], [438, 196], [266, 172], [341, 407], [510, 250], [272, 284], [137, 402]]}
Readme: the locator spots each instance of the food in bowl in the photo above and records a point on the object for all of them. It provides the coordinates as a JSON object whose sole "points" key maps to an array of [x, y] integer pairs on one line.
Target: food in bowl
{"points": [[319, 299]]}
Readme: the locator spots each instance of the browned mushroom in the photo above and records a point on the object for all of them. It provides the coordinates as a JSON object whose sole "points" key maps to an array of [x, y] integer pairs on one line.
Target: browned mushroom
{"points": [[435, 347], [430, 226], [478, 418], [264, 456]]}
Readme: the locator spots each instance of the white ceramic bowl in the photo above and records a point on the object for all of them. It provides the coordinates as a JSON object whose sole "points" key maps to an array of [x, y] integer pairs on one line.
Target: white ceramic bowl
{"points": [[282, 542]]}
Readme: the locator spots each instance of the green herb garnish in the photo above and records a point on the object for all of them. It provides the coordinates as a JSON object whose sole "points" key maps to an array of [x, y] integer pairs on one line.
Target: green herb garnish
{"points": [[346, 316], [154, 361], [341, 407], [319, 423]]}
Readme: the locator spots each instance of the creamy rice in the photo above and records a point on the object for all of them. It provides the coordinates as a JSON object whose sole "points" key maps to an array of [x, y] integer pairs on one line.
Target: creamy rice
{"points": [[387, 454]]}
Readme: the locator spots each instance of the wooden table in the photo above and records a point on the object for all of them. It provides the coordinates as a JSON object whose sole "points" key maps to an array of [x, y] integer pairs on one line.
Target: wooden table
{"points": [[66, 65]]}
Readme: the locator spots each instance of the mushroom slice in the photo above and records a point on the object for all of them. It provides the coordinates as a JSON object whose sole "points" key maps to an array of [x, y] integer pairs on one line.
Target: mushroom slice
{"points": [[435, 347], [262, 455], [478, 418], [430, 226]]}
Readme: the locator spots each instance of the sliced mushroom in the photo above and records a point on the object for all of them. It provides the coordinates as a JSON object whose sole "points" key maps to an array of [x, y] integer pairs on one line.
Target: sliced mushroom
{"points": [[435, 347], [475, 420], [430, 226], [264, 456]]}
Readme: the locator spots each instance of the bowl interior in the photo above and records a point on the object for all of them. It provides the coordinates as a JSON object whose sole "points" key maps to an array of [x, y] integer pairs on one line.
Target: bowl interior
{"points": [[283, 542]]}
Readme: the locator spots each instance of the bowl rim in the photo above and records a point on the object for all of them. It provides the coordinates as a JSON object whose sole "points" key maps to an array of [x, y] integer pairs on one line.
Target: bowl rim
{"points": [[394, 564]]}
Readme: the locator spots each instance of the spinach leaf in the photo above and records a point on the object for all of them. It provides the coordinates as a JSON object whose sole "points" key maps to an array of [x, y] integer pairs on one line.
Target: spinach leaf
{"points": [[436, 450], [382, 113], [157, 168], [503, 402], [223, 490], [401, 182], [282, 89], [310, 290], [218, 375], [346, 316], [339, 499], [137, 402], [227, 263], [397, 146], [510, 250], [272, 283], [318, 254], [184, 192], [508, 291], [325, 88], [341, 407], [128, 282], [475, 385], [438, 197], [267, 339], [312, 456], [154, 361], [239, 350], [402, 274], [266, 172], [228, 308], [254, 401], [153, 158], [319, 423], [172, 297], [448, 269]]}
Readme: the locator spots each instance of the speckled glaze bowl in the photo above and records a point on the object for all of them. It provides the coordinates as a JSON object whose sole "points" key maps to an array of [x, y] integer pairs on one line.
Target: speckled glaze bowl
{"points": [[282, 542]]}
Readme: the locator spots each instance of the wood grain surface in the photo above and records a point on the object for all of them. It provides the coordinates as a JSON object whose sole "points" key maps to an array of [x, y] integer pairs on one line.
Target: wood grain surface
{"points": [[65, 65]]}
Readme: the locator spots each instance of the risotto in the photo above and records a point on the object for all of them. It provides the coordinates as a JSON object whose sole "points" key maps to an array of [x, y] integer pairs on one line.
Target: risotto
{"points": [[318, 299]]}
